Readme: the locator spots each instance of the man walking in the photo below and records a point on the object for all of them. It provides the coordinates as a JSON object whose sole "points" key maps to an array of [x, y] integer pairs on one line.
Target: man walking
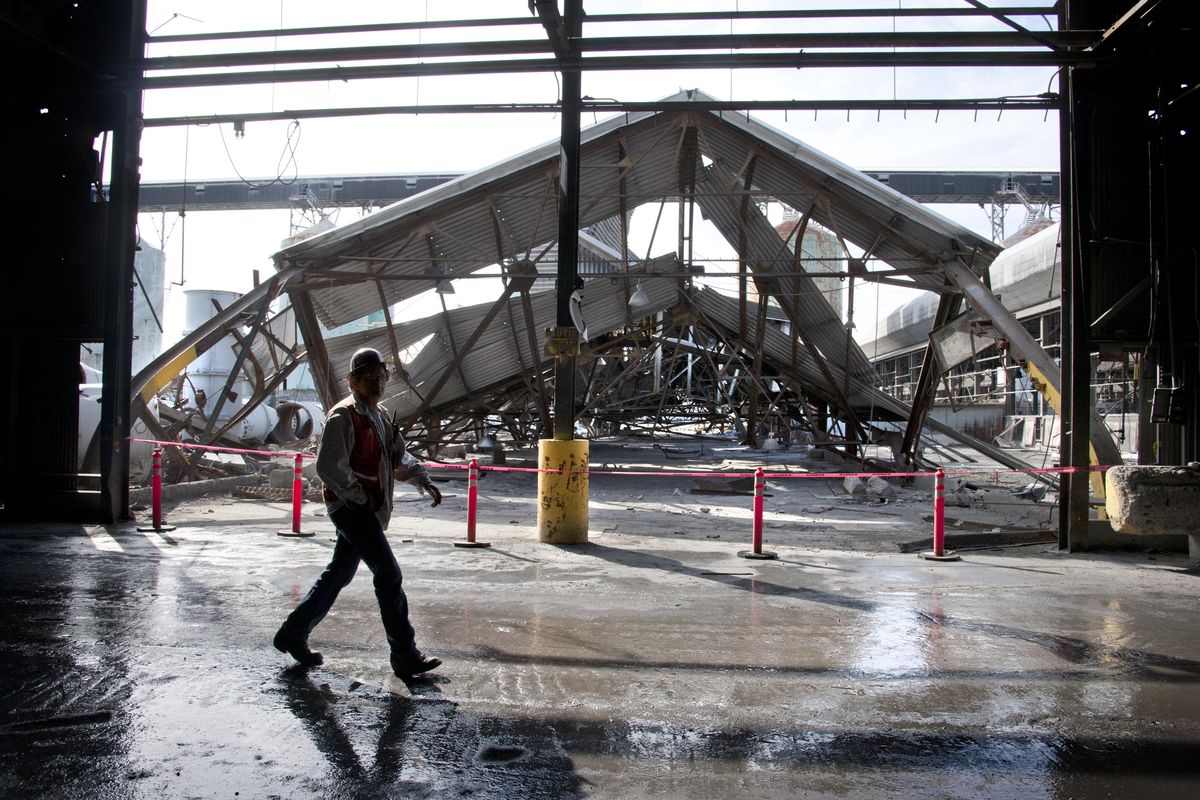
{"points": [[360, 457]]}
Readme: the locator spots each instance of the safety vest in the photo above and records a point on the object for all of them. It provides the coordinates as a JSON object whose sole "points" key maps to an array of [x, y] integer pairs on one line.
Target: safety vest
{"points": [[366, 456]]}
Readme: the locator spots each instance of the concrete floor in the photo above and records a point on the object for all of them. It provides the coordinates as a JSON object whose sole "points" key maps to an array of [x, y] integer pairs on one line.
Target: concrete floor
{"points": [[649, 662]]}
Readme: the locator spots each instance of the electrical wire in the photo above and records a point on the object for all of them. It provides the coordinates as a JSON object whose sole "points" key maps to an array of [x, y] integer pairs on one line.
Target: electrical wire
{"points": [[287, 159]]}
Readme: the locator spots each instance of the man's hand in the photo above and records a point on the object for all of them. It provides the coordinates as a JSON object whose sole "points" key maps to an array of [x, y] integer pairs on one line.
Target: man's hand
{"points": [[356, 495], [435, 493]]}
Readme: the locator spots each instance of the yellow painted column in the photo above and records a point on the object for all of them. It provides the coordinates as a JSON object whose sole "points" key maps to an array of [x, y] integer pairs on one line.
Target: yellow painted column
{"points": [[563, 497]]}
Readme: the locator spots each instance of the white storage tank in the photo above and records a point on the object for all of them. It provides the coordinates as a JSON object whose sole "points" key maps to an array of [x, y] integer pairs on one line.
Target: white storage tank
{"points": [[209, 372], [150, 264]]}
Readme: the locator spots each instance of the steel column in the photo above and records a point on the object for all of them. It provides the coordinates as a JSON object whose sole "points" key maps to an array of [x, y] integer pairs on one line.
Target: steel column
{"points": [[115, 404], [570, 27]]}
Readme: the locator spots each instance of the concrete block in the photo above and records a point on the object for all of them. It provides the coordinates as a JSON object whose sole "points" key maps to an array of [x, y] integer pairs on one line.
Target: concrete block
{"points": [[281, 478], [878, 487], [1148, 500], [923, 483], [834, 459], [175, 492], [854, 486]]}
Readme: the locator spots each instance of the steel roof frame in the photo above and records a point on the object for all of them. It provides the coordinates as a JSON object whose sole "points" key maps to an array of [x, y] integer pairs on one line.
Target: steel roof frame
{"points": [[837, 204], [1015, 46]]}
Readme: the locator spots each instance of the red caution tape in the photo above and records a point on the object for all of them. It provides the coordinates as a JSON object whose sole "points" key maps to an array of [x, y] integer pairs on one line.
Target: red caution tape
{"points": [[659, 473], [773, 475], [215, 449]]}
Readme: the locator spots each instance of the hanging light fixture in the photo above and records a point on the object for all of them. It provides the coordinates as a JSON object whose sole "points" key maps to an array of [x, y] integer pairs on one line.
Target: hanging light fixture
{"points": [[638, 298], [443, 285]]}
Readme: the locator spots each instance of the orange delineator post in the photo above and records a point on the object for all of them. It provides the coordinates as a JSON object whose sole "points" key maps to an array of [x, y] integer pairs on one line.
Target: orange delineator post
{"points": [[472, 502], [939, 513], [156, 490], [939, 552], [472, 498], [756, 550], [756, 542], [297, 498], [297, 493]]}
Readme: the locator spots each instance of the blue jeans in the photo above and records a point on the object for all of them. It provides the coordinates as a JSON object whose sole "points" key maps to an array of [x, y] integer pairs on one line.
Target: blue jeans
{"points": [[359, 537]]}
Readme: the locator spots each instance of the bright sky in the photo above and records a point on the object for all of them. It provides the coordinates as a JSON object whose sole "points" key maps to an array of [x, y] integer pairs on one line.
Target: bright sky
{"points": [[220, 250]]}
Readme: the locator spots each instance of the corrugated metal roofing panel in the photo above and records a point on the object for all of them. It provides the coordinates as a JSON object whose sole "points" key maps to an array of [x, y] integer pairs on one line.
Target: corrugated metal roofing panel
{"points": [[862, 206], [777, 349], [820, 324], [505, 210], [498, 356]]}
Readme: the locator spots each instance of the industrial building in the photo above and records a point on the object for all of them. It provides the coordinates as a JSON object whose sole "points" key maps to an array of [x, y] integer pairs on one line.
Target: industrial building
{"points": [[669, 358]]}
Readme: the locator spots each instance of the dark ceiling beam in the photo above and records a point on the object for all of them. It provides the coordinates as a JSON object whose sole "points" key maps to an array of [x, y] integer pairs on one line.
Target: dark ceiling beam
{"points": [[383, 27], [339, 55], [376, 190], [806, 41], [1137, 11], [819, 13], [767, 41], [838, 60], [697, 16], [1002, 15], [1045, 102], [14, 30], [555, 25]]}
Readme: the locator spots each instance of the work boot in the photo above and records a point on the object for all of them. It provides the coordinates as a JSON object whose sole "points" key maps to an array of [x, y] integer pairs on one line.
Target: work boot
{"points": [[406, 667], [288, 642]]}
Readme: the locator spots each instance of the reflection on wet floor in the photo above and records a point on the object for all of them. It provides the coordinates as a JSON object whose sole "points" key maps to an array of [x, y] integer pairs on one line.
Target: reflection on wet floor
{"points": [[144, 670]]}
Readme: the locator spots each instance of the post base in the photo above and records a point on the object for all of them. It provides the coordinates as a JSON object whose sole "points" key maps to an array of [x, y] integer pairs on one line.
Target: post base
{"points": [[947, 555], [465, 543], [562, 515], [152, 529], [763, 556], [296, 534]]}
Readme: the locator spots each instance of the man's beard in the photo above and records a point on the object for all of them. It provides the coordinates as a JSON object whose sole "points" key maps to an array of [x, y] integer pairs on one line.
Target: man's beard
{"points": [[371, 390]]}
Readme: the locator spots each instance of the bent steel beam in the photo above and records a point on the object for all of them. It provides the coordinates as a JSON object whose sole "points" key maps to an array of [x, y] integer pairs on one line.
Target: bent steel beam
{"points": [[982, 300], [153, 377]]}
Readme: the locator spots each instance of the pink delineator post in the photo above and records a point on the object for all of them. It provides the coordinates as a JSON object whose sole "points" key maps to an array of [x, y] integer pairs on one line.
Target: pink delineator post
{"points": [[297, 493], [756, 541], [939, 513], [156, 488], [472, 502], [156, 496], [472, 498], [759, 480]]}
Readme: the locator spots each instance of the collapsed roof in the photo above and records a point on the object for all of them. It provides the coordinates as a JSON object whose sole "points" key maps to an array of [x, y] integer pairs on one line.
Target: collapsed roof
{"points": [[506, 215], [776, 354]]}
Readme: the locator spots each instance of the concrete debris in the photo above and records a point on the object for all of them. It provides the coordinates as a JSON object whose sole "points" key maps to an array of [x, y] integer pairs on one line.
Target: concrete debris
{"points": [[308, 492], [280, 478], [854, 486], [1149, 500], [879, 488], [725, 485], [967, 497], [175, 492], [1032, 491]]}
